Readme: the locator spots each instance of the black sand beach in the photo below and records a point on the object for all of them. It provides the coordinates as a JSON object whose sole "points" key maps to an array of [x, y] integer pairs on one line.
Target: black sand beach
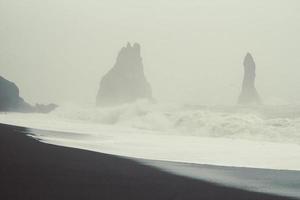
{"points": [[31, 170]]}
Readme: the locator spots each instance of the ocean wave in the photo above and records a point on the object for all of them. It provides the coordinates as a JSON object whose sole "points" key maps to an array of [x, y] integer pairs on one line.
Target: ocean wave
{"points": [[268, 123]]}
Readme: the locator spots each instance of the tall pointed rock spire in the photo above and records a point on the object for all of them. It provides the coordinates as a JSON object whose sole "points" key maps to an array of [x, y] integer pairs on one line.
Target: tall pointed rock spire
{"points": [[249, 94]]}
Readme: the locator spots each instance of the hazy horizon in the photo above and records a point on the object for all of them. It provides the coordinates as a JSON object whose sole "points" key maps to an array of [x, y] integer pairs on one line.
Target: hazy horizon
{"points": [[57, 51]]}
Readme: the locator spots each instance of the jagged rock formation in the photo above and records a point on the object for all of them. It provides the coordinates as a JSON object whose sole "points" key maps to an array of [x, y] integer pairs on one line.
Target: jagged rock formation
{"points": [[249, 95], [126, 81], [11, 101]]}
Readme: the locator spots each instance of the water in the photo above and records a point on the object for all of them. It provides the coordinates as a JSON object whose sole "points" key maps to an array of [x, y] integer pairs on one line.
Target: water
{"points": [[260, 137], [267, 123]]}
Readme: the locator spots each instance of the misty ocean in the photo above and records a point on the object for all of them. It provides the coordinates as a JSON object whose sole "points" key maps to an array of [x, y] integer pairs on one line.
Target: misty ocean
{"points": [[258, 136]]}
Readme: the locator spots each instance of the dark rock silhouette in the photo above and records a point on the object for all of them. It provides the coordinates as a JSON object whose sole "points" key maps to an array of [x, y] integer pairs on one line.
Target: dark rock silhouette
{"points": [[10, 100], [249, 95], [126, 81], [9, 97]]}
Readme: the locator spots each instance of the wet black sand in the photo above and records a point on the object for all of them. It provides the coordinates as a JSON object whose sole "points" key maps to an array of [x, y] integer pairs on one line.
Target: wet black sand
{"points": [[32, 170]]}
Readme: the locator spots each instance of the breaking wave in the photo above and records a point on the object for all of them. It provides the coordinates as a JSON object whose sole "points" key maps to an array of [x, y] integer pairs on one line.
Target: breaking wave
{"points": [[268, 123]]}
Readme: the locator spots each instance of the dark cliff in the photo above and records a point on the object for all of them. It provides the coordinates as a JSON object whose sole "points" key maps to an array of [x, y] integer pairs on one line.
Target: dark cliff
{"points": [[10, 100]]}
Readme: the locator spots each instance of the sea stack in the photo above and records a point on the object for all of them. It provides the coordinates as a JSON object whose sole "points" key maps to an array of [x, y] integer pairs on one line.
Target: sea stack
{"points": [[249, 95], [10, 100], [126, 81]]}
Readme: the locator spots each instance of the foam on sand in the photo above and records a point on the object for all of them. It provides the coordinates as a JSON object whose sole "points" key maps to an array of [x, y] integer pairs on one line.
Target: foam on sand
{"points": [[265, 137]]}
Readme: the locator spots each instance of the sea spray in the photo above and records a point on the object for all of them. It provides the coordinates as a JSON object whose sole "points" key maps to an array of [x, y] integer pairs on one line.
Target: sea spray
{"points": [[279, 124], [269, 123]]}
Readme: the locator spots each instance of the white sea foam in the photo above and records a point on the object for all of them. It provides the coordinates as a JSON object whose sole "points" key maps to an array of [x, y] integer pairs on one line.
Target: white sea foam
{"points": [[264, 137], [274, 123]]}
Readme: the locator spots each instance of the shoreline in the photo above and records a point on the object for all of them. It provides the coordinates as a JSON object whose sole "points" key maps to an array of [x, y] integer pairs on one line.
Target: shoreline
{"points": [[31, 169], [238, 150]]}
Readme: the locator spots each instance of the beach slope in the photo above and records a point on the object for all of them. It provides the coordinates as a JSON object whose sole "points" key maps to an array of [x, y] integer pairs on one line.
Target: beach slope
{"points": [[30, 169]]}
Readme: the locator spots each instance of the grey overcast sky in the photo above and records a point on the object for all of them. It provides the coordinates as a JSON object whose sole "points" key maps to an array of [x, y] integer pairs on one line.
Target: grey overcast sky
{"points": [[58, 50]]}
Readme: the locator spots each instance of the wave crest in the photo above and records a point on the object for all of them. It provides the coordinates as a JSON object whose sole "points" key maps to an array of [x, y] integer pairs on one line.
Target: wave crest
{"points": [[273, 123]]}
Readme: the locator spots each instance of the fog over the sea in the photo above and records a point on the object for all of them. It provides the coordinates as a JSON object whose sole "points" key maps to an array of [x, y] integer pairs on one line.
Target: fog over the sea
{"points": [[58, 50]]}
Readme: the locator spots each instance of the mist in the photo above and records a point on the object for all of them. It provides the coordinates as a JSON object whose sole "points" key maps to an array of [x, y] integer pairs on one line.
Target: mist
{"points": [[58, 51]]}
